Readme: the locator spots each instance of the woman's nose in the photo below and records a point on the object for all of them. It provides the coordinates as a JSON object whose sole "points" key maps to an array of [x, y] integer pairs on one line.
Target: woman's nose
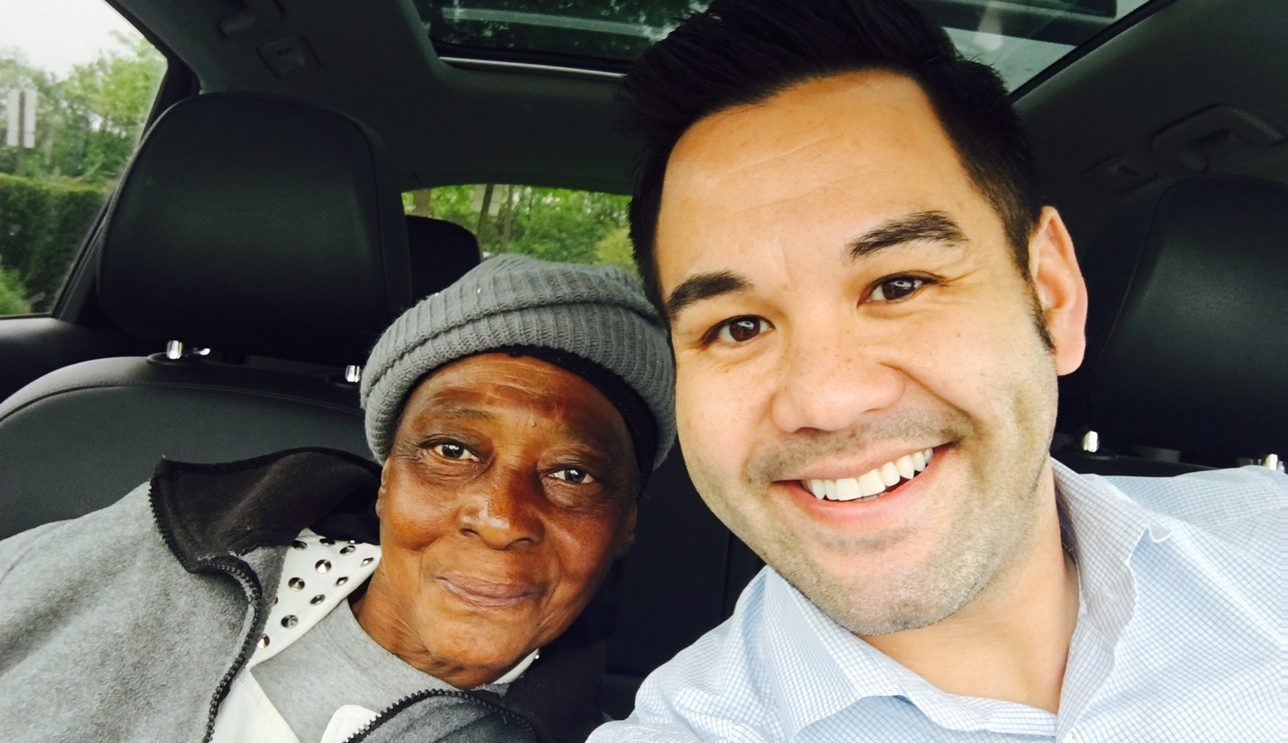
{"points": [[503, 511]]}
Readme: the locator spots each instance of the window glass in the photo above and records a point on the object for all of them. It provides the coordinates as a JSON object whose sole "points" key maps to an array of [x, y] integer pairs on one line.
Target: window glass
{"points": [[1018, 37], [76, 83], [555, 224]]}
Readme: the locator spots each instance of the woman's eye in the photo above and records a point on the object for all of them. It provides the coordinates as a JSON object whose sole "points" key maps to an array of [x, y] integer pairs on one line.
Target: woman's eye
{"points": [[574, 475], [453, 450], [895, 288], [741, 329]]}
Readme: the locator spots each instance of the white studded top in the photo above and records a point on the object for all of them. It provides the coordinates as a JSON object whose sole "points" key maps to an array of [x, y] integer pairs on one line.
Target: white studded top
{"points": [[317, 575]]}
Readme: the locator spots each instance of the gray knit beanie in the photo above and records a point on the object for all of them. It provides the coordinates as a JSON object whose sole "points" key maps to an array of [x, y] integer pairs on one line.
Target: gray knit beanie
{"points": [[595, 314]]}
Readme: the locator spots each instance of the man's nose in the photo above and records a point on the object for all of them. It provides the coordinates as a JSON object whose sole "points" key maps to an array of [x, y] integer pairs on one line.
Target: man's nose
{"points": [[504, 511], [832, 375]]}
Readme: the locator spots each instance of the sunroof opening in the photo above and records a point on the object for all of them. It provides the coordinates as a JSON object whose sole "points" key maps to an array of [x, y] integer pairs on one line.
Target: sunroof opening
{"points": [[1020, 38]]}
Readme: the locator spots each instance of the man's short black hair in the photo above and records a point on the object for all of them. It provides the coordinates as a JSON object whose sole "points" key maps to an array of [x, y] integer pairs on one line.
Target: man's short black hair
{"points": [[741, 52]]}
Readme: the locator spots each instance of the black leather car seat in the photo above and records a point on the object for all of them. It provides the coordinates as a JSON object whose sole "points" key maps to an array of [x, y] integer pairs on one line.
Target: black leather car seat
{"points": [[1188, 332], [441, 253], [265, 230]]}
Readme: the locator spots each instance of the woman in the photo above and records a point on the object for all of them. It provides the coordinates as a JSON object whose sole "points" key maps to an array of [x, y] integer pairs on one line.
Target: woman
{"points": [[310, 595]]}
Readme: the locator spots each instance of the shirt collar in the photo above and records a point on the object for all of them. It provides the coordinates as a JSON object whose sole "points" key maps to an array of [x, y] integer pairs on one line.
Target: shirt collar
{"points": [[808, 644], [1106, 528]]}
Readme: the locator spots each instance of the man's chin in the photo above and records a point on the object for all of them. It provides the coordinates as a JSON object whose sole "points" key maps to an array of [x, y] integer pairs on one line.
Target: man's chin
{"points": [[868, 606]]}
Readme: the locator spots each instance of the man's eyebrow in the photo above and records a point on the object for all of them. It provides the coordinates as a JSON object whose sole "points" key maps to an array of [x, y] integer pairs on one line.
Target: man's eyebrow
{"points": [[703, 286], [928, 226]]}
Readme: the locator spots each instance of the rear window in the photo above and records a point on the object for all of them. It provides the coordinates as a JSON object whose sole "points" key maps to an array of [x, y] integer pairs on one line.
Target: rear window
{"points": [[554, 224]]}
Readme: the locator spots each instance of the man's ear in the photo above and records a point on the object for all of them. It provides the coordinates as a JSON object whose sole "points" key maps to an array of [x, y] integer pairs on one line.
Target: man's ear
{"points": [[1060, 289], [626, 538]]}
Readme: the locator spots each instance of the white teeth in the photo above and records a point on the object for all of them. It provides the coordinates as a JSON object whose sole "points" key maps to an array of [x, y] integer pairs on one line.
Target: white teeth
{"points": [[848, 489], [906, 470], [870, 483], [873, 482]]}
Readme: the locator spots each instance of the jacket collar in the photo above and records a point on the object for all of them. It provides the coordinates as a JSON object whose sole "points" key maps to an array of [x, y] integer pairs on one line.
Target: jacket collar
{"points": [[206, 511]]}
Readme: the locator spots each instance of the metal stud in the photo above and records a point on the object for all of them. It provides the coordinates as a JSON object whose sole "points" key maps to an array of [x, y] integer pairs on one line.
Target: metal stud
{"points": [[297, 544], [263, 641], [323, 566], [353, 374], [342, 580], [174, 350], [290, 620], [1271, 462], [296, 584], [317, 599], [367, 560], [327, 541], [347, 549]]}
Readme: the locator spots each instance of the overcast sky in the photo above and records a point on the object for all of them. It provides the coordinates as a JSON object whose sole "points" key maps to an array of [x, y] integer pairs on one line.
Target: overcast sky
{"points": [[56, 34]]}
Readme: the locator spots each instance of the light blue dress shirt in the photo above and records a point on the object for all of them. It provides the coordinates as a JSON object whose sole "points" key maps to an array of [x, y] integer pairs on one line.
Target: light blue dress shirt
{"points": [[1180, 637]]}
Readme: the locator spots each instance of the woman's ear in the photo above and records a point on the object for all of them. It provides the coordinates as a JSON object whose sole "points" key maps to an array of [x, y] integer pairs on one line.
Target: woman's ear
{"points": [[380, 494], [1060, 289], [626, 534]]}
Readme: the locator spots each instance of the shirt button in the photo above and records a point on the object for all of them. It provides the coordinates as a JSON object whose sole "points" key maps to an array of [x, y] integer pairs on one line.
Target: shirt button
{"points": [[1070, 737]]}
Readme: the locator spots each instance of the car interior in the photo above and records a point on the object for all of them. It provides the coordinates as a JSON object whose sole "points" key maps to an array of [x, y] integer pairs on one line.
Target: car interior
{"points": [[229, 291]]}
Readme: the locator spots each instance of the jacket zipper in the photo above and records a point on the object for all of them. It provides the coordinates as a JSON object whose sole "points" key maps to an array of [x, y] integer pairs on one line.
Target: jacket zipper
{"points": [[407, 701], [250, 587], [255, 595]]}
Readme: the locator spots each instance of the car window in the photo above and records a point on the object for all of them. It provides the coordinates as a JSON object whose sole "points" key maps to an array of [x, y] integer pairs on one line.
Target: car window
{"points": [[555, 224], [76, 84]]}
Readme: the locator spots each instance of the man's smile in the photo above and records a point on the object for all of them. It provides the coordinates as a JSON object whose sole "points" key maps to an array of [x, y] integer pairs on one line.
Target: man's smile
{"points": [[872, 483], [847, 504]]}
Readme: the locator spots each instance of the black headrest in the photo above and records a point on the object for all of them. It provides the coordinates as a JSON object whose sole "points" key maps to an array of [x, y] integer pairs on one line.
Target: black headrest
{"points": [[257, 225], [1190, 302], [441, 253]]}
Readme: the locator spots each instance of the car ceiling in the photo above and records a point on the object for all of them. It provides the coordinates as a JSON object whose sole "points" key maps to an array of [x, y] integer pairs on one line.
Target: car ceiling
{"points": [[1093, 123]]}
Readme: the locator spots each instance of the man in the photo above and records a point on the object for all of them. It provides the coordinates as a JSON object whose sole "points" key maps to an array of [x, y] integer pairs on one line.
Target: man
{"points": [[869, 310]]}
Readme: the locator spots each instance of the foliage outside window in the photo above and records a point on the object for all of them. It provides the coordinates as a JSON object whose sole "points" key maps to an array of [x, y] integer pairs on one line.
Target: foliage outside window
{"points": [[554, 224], [87, 124]]}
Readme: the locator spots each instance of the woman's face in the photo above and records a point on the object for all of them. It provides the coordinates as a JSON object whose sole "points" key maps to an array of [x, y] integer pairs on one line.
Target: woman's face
{"points": [[508, 492]]}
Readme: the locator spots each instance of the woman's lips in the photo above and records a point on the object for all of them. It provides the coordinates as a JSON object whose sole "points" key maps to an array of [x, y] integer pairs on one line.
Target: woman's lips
{"points": [[487, 594]]}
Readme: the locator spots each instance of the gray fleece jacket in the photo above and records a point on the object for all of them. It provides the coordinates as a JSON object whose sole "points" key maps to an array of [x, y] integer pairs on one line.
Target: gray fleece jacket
{"points": [[131, 622]]}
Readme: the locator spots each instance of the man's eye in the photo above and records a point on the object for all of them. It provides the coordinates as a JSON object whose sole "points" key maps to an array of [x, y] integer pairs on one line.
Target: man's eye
{"points": [[574, 475], [895, 288], [453, 450], [741, 329]]}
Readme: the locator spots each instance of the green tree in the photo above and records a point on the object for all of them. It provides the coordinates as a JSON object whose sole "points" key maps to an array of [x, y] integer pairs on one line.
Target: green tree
{"points": [[550, 223], [105, 103], [614, 249], [13, 299]]}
